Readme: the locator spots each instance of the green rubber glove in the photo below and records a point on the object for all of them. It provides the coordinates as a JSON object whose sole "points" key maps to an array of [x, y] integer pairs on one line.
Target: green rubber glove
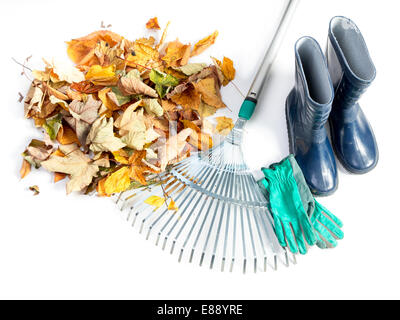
{"points": [[326, 225], [293, 226]]}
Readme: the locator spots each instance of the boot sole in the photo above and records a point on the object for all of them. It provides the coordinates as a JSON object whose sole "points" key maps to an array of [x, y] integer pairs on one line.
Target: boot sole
{"points": [[291, 148]]}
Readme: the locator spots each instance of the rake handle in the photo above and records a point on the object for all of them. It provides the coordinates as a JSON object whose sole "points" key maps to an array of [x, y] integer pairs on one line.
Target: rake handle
{"points": [[249, 104]]}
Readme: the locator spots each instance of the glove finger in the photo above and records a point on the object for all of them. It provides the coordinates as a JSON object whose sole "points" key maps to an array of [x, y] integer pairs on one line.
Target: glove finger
{"points": [[268, 173], [320, 242], [326, 212], [290, 238], [280, 233], [299, 237], [325, 235], [331, 226], [308, 231]]}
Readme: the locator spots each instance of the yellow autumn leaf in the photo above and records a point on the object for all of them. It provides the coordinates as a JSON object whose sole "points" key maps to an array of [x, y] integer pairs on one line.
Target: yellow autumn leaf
{"points": [[145, 57], [177, 54], [172, 205], [153, 24], [224, 125], [203, 44], [101, 192], [210, 93], [117, 182], [198, 139], [107, 102], [155, 201], [227, 69], [82, 50], [99, 75], [121, 156], [66, 135], [25, 168]]}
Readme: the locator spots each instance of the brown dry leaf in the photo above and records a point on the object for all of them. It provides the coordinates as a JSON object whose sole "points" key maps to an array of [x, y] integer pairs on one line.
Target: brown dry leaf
{"points": [[39, 150], [81, 50], [168, 105], [203, 44], [177, 54], [108, 55], [189, 98], [117, 182], [55, 92], [107, 101], [86, 87], [173, 147], [66, 135], [224, 125], [25, 168], [138, 167], [153, 24], [129, 86], [35, 190], [210, 93], [227, 69], [104, 76], [33, 100], [198, 139], [85, 111], [206, 110]]}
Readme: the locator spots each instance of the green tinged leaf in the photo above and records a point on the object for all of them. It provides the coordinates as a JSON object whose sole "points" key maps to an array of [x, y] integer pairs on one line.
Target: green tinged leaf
{"points": [[191, 68], [31, 160], [163, 81], [52, 125], [120, 97], [134, 73]]}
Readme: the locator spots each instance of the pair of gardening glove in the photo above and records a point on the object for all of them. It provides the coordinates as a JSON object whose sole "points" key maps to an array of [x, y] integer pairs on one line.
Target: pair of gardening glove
{"points": [[298, 217]]}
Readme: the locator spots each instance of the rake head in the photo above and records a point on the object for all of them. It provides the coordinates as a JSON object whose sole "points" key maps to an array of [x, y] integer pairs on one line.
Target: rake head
{"points": [[222, 218]]}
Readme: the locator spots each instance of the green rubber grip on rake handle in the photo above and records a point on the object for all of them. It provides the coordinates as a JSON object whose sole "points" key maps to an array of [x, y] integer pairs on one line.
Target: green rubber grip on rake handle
{"points": [[249, 104], [247, 108]]}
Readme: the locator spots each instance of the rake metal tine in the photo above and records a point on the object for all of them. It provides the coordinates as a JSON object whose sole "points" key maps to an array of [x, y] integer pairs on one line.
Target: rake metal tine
{"points": [[248, 191], [176, 184], [228, 192], [210, 182], [180, 203], [218, 185], [184, 210], [225, 184]]}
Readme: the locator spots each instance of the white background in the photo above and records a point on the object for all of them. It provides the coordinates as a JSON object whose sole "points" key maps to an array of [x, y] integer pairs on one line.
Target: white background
{"points": [[54, 246]]}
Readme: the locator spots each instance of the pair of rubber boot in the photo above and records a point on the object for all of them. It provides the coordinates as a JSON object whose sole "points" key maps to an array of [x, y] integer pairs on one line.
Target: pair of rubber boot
{"points": [[329, 90]]}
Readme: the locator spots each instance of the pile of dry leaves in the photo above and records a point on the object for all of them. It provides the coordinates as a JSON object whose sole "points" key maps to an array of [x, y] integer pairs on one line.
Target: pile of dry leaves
{"points": [[126, 111]]}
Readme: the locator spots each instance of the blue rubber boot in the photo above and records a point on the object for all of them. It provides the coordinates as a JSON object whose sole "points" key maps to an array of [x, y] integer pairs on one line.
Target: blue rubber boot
{"points": [[352, 71], [307, 110]]}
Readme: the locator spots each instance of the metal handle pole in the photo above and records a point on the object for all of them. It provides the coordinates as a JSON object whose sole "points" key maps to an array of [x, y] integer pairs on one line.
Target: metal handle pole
{"points": [[272, 51]]}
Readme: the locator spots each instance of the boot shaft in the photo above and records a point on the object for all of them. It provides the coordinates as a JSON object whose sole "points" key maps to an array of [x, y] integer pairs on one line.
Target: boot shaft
{"points": [[313, 89], [349, 63]]}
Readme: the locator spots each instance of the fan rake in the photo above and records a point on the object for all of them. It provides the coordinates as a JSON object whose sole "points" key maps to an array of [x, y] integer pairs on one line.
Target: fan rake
{"points": [[222, 217]]}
